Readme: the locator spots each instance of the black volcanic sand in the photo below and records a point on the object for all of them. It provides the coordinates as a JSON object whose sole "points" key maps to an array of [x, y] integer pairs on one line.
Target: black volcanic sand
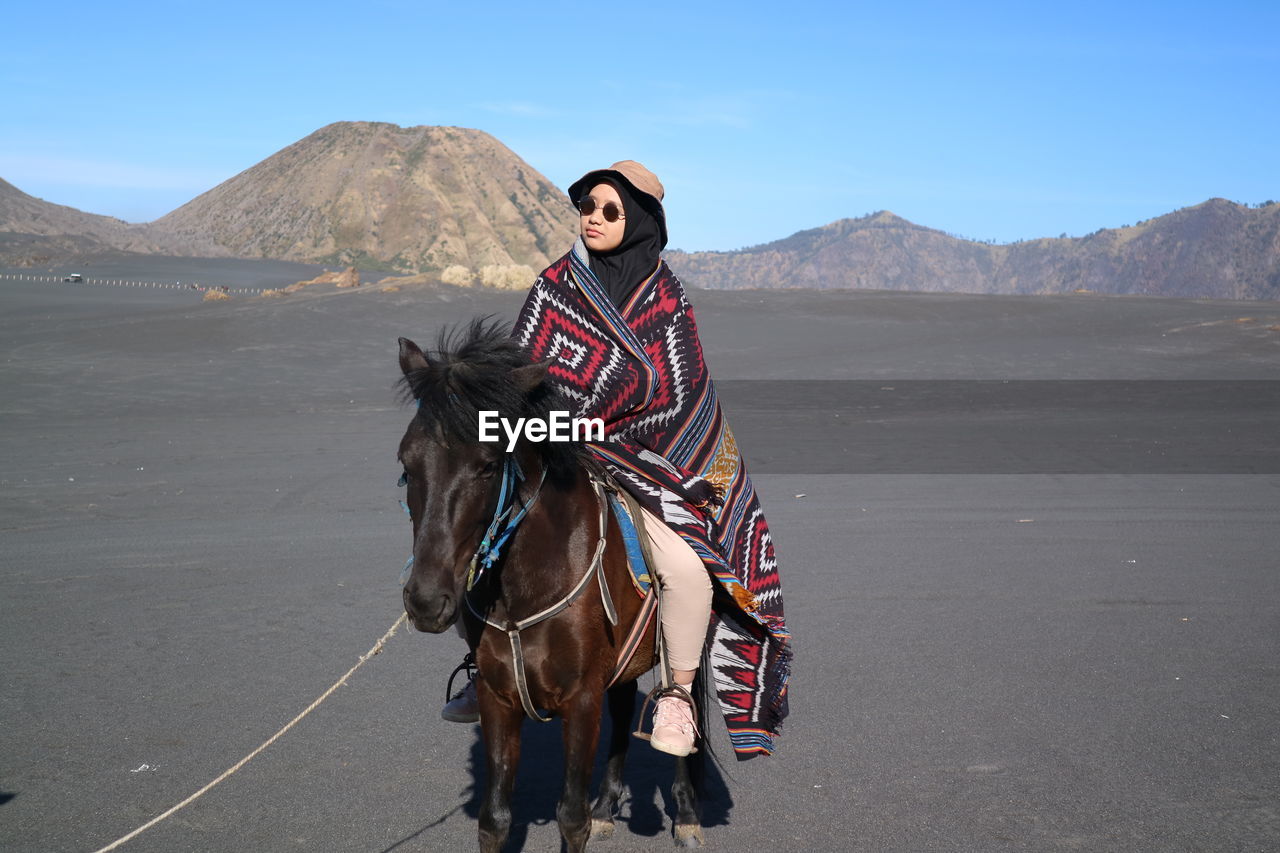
{"points": [[224, 272], [1076, 651]]}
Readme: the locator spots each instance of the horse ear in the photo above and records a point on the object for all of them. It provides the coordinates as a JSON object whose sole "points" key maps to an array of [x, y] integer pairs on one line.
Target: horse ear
{"points": [[531, 375], [411, 357]]}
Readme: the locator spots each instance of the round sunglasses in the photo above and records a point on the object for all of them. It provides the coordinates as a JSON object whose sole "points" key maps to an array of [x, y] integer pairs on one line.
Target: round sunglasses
{"points": [[610, 210]]}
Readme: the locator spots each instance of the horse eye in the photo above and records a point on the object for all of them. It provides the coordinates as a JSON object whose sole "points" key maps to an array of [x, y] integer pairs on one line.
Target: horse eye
{"points": [[489, 469]]}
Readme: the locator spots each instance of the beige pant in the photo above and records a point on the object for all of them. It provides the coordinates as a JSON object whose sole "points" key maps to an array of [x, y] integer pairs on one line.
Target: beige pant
{"points": [[686, 593]]}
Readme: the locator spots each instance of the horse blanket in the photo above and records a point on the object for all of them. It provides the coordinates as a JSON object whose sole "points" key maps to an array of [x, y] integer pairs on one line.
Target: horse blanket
{"points": [[640, 369]]}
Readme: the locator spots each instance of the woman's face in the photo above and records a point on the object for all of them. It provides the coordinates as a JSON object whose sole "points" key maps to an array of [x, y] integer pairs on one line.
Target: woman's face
{"points": [[598, 233]]}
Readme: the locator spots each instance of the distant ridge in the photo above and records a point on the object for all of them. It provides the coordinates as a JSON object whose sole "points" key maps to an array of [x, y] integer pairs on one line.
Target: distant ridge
{"points": [[423, 199], [46, 230], [1218, 249], [381, 196]]}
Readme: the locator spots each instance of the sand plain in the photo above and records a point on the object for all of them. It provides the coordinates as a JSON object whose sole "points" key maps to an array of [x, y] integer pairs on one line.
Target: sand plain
{"points": [[1033, 618]]}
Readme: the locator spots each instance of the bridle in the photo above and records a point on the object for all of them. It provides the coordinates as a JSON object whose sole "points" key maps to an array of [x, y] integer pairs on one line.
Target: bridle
{"points": [[502, 527], [505, 520]]}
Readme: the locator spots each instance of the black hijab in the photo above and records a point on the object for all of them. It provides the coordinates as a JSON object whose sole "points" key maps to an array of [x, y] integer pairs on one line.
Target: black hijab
{"points": [[622, 269]]}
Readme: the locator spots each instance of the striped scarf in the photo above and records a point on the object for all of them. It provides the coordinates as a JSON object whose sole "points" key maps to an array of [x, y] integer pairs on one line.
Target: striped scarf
{"points": [[640, 369]]}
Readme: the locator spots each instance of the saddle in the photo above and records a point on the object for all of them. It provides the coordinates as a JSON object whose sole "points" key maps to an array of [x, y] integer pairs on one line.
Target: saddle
{"points": [[627, 512]]}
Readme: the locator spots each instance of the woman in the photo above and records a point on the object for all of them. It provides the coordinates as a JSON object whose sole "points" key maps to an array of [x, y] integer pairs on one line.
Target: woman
{"points": [[625, 346]]}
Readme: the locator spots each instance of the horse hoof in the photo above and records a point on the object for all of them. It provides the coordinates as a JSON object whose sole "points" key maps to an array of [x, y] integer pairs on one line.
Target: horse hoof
{"points": [[601, 828], [689, 835]]}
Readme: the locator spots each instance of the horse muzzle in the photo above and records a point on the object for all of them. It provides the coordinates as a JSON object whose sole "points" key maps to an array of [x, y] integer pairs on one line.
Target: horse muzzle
{"points": [[432, 613]]}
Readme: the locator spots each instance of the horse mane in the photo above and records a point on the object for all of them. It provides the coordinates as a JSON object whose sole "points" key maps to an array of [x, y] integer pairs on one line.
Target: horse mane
{"points": [[470, 371]]}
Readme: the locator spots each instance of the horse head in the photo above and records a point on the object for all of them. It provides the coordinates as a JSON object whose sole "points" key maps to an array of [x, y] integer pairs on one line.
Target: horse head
{"points": [[452, 477]]}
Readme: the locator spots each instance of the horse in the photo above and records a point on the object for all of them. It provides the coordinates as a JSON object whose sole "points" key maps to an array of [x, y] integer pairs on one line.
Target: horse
{"points": [[564, 545]]}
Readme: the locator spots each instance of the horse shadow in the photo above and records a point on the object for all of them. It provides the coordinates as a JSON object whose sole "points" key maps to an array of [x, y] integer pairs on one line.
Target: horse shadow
{"points": [[647, 809]]}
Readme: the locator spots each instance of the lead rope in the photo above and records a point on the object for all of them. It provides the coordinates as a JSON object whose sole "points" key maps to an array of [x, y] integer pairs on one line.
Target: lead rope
{"points": [[376, 649]]}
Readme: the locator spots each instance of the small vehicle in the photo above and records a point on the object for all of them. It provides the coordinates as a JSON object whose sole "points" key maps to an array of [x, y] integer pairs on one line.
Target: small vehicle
{"points": [[75, 276]]}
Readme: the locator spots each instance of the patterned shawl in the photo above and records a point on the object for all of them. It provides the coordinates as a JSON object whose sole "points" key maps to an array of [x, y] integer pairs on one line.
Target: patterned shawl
{"points": [[640, 369]]}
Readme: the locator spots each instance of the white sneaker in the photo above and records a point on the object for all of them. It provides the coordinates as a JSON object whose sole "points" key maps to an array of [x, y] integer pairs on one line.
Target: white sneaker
{"points": [[464, 707]]}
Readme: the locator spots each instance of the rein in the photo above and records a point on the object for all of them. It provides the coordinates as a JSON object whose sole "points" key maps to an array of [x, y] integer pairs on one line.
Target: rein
{"points": [[504, 524]]}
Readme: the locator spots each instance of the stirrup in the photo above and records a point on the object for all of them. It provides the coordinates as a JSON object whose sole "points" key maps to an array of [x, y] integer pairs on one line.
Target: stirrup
{"points": [[660, 692], [468, 666]]}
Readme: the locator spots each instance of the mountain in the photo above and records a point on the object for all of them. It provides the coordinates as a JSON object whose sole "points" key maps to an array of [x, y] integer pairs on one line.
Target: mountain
{"points": [[381, 196], [880, 251], [422, 199], [42, 230], [1217, 249]]}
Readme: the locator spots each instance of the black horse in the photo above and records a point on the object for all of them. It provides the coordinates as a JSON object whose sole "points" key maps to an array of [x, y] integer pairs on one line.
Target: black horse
{"points": [[566, 555]]}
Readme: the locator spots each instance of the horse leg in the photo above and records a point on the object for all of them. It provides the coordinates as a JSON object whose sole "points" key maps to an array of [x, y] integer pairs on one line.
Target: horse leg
{"points": [[500, 725], [691, 769], [622, 703], [689, 772], [581, 735]]}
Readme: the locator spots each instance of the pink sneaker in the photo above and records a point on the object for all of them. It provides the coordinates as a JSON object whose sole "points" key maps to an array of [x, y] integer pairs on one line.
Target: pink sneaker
{"points": [[673, 728]]}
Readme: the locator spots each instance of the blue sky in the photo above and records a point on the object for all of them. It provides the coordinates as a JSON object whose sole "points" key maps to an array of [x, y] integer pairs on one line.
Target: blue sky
{"points": [[990, 121]]}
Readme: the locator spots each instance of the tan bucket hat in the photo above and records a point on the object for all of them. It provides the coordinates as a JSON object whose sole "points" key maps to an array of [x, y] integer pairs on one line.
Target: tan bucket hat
{"points": [[643, 184]]}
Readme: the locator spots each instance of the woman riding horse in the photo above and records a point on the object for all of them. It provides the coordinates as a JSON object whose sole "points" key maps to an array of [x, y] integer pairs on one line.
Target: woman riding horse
{"points": [[617, 330]]}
